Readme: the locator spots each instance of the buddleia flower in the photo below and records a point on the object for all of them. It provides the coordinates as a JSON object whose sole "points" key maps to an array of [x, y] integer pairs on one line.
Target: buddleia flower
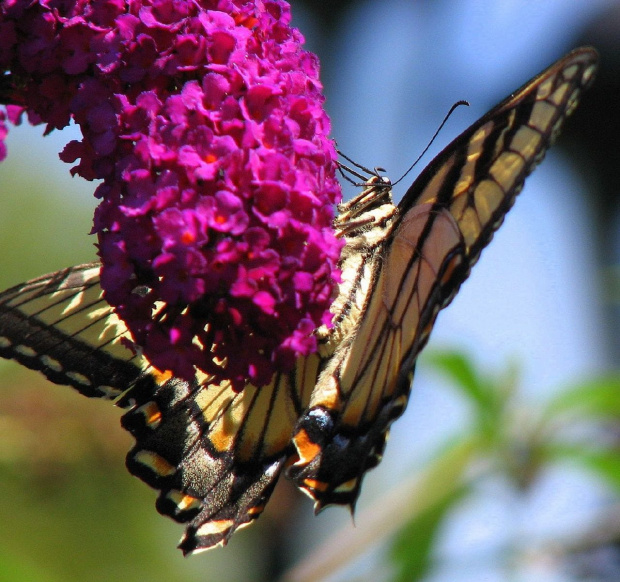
{"points": [[204, 123]]}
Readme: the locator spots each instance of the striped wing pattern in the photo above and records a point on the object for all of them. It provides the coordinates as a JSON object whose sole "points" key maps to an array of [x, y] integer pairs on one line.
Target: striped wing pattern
{"points": [[478, 176], [60, 325], [445, 219], [213, 454]]}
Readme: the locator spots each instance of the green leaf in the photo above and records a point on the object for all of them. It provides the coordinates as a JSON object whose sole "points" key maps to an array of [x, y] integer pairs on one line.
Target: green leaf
{"points": [[604, 463], [487, 398], [458, 368], [596, 397], [411, 552], [442, 486]]}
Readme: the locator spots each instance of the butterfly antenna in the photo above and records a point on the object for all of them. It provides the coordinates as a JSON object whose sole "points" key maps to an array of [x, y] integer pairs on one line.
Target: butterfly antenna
{"points": [[343, 167], [457, 104]]}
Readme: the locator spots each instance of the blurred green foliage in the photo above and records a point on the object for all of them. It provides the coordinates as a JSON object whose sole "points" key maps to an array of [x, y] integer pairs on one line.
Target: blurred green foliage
{"points": [[517, 442]]}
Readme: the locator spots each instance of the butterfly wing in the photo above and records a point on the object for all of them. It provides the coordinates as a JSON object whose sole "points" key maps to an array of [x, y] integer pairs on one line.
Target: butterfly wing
{"points": [[365, 385], [478, 176], [60, 325], [213, 454], [445, 219]]}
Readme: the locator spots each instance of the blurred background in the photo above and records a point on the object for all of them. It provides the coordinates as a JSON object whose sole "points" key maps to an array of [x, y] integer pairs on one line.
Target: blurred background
{"points": [[506, 465]]}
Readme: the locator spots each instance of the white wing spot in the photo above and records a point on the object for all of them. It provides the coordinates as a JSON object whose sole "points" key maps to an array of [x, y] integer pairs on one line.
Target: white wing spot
{"points": [[216, 527], [25, 351], [79, 378], [51, 363], [109, 392], [5, 342]]}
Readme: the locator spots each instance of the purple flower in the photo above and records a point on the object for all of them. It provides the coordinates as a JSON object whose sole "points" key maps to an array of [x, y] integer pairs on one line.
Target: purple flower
{"points": [[204, 122], [3, 133], [223, 212]]}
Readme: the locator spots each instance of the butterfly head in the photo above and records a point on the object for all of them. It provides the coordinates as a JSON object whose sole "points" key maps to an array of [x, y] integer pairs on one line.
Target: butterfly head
{"points": [[371, 210]]}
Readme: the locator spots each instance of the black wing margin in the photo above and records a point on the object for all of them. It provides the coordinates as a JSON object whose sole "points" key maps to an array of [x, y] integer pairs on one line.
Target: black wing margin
{"points": [[60, 325], [478, 176]]}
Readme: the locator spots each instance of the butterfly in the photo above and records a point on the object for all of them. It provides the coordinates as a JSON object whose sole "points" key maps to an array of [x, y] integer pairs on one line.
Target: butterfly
{"points": [[215, 454]]}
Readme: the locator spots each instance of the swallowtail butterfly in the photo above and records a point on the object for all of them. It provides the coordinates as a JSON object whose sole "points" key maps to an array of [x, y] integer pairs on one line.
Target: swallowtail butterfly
{"points": [[214, 454]]}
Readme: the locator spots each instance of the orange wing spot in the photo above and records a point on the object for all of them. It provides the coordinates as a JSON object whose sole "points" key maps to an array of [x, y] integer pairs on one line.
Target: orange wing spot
{"points": [[183, 501], [315, 485], [155, 463], [221, 437], [154, 418], [306, 448], [256, 510], [162, 377], [152, 414], [188, 502]]}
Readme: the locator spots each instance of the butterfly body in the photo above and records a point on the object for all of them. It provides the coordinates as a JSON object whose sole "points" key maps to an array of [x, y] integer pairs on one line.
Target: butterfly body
{"points": [[215, 454]]}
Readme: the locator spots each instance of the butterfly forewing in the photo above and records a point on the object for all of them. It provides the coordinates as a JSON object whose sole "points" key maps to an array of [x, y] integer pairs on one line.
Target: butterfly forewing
{"points": [[366, 383], [445, 219], [478, 176], [215, 454]]}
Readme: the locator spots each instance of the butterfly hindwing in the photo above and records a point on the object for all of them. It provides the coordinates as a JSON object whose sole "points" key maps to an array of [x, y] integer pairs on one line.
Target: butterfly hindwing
{"points": [[443, 222], [213, 454]]}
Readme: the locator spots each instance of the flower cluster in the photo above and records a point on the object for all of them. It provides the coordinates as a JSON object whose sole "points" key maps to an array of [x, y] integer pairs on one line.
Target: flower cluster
{"points": [[204, 122], [3, 134]]}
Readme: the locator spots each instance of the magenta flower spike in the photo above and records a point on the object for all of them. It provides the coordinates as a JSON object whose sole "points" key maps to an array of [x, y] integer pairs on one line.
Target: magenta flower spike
{"points": [[204, 122]]}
